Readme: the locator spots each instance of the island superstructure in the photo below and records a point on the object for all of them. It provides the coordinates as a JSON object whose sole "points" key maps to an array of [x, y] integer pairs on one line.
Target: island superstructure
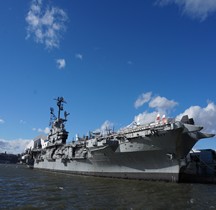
{"points": [[155, 151]]}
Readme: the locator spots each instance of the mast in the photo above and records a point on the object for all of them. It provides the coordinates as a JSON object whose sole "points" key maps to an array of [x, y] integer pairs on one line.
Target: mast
{"points": [[60, 101], [58, 135]]}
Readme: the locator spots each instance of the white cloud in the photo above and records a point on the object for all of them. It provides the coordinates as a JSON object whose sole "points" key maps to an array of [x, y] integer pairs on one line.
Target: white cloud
{"points": [[162, 104], [45, 25], [105, 127], [2, 121], [145, 117], [39, 130], [13, 146], [22, 122], [46, 130], [205, 116], [142, 99], [61, 63], [199, 9], [79, 56]]}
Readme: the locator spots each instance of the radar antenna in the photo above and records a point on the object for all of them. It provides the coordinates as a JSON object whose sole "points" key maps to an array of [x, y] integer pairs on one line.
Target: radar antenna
{"points": [[52, 116], [65, 115]]}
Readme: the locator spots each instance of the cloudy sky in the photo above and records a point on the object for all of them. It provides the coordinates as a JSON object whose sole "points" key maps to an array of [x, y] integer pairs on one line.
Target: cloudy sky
{"points": [[114, 62]]}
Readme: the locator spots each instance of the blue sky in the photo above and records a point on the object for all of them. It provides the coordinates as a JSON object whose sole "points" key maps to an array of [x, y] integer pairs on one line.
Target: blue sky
{"points": [[113, 61]]}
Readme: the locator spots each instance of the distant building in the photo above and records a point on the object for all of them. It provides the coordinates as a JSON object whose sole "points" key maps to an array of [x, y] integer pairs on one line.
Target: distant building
{"points": [[38, 142], [8, 158]]}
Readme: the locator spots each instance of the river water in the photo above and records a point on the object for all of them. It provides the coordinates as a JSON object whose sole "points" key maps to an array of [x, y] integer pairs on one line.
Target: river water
{"points": [[23, 188]]}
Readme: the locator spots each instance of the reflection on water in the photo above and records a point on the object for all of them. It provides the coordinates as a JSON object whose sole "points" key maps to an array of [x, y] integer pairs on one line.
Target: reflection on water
{"points": [[22, 188]]}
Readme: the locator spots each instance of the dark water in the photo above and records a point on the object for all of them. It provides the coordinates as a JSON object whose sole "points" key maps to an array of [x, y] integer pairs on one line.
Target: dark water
{"points": [[22, 188]]}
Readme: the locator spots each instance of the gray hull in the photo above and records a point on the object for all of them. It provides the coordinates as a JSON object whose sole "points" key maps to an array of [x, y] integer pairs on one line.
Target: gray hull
{"points": [[149, 165]]}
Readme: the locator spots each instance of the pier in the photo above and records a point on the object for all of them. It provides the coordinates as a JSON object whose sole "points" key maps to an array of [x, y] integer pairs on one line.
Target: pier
{"points": [[201, 167]]}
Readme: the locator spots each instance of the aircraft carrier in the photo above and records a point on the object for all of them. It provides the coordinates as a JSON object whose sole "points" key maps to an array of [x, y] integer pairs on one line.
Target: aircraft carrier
{"points": [[155, 151]]}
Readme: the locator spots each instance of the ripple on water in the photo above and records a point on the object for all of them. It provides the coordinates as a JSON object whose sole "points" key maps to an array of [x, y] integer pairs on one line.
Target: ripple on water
{"points": [[22, 188]]}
